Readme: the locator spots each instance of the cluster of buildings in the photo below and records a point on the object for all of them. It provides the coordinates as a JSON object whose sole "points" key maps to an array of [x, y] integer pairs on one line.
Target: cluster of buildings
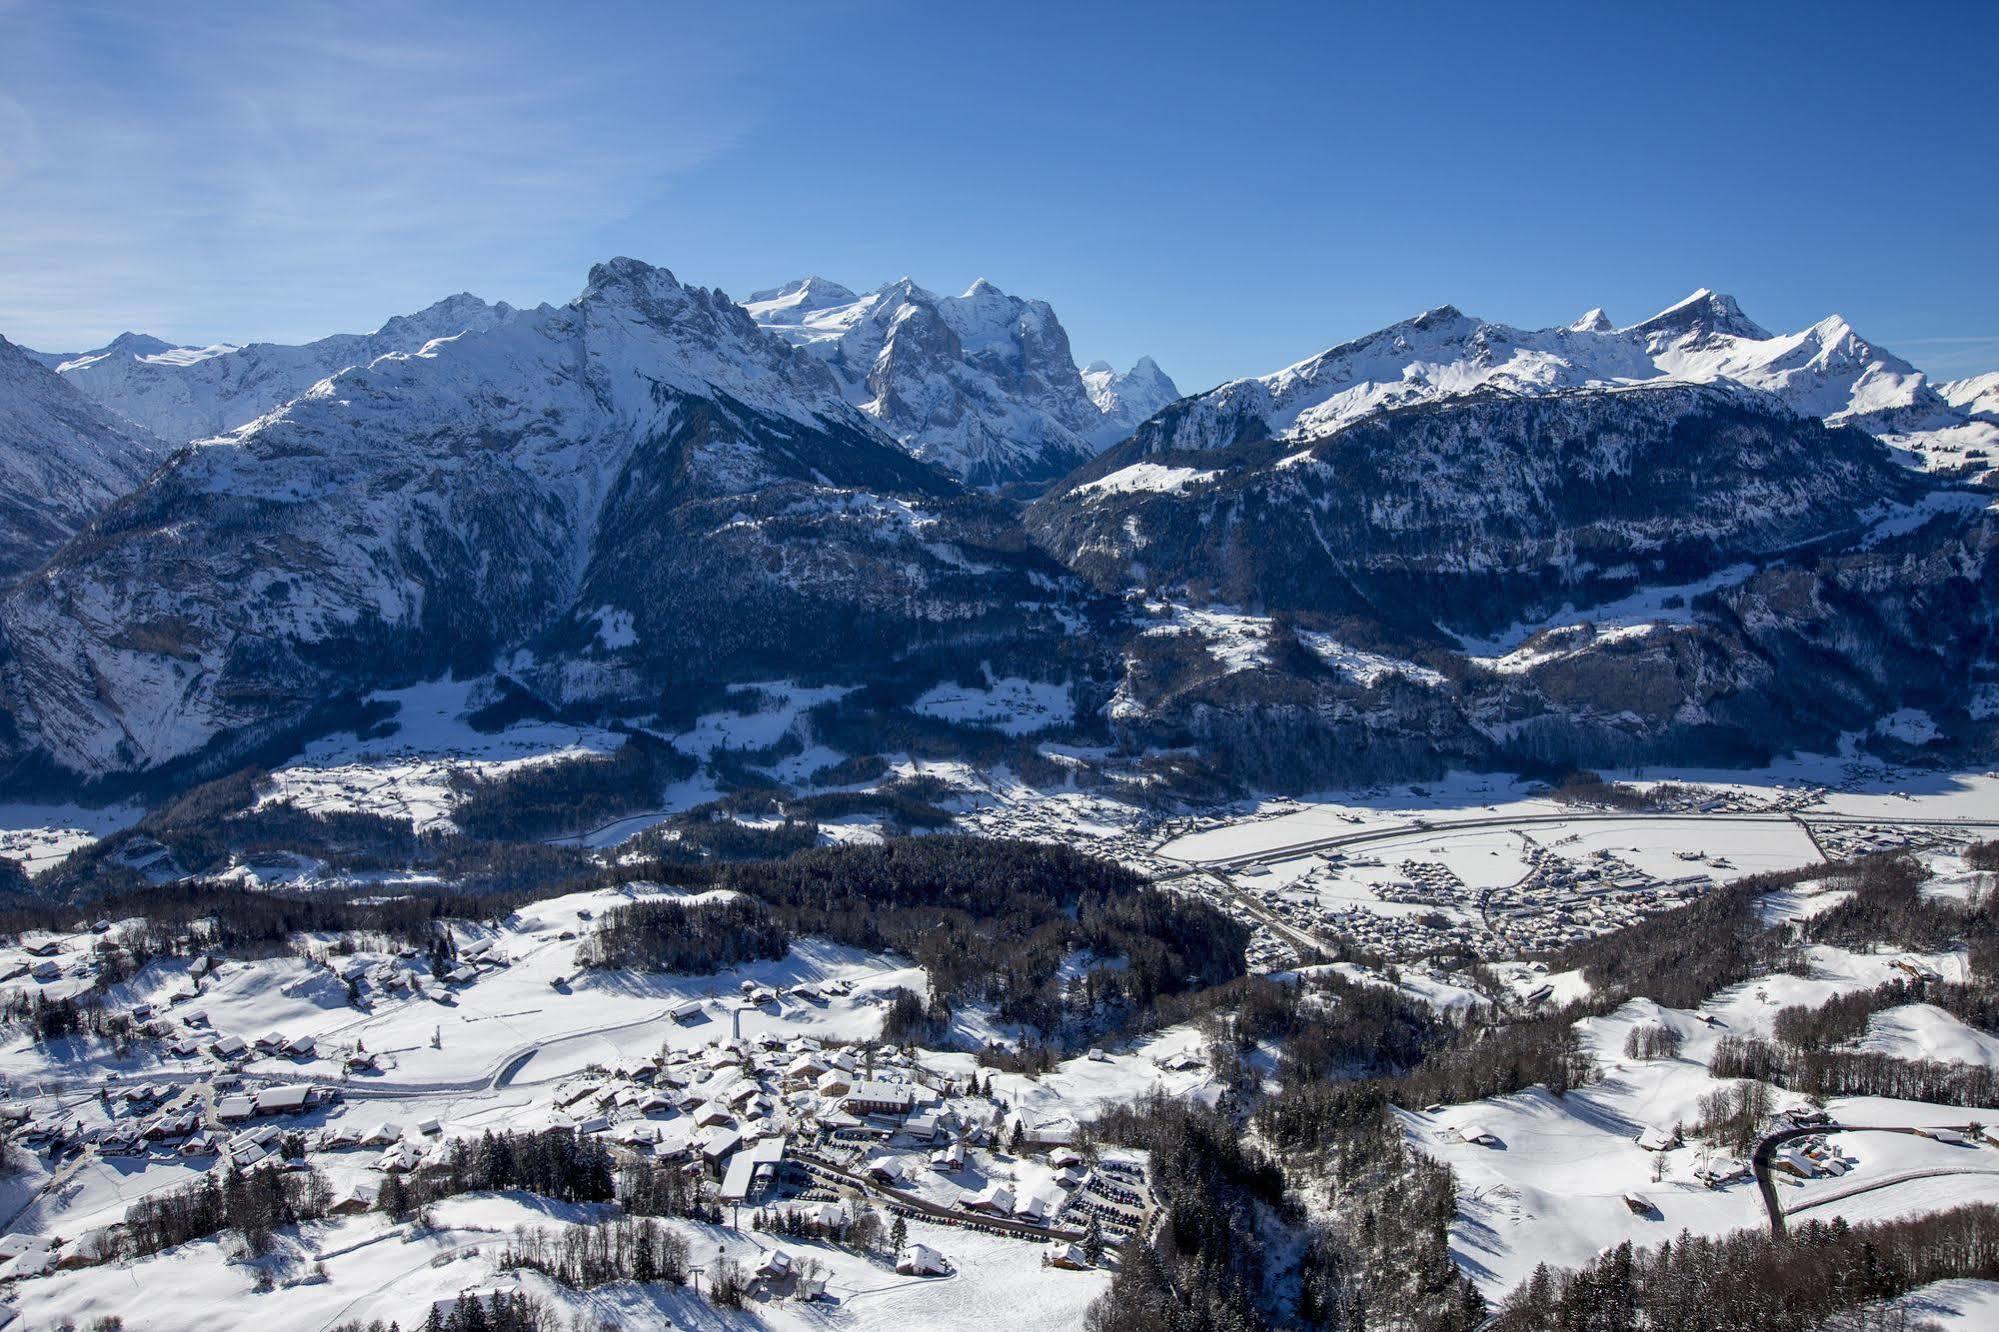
{"points": [[1563, 900]]}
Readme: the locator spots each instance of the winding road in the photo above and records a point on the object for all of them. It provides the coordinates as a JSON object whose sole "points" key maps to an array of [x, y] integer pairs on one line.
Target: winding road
{"points": [[1766, 1149]]}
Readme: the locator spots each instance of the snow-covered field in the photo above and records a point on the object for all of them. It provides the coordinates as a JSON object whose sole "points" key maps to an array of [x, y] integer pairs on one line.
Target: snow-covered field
{"points": [[1550, 1177]]}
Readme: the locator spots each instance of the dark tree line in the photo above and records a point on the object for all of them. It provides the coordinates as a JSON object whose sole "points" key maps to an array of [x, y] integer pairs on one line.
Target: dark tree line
{"points": [[584, 1257], [256, 1203], [684, 938], [1201, 1271], [554, 1163], [1844, 1017], [541, 799], [1750, 1280], [994, 920]]}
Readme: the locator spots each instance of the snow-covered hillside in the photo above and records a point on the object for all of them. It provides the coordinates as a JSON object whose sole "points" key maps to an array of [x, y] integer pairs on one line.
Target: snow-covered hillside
{"points": [[187, 393], [62, 459], [1977, 396], [644, 449], [1827, 371], [981, 384]]}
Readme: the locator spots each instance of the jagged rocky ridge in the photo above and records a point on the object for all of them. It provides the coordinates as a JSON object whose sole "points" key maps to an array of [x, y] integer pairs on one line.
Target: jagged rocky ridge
{"points": [[1827, 371], [635, 489], [982, 385], [1368, 565], [188, 393]]}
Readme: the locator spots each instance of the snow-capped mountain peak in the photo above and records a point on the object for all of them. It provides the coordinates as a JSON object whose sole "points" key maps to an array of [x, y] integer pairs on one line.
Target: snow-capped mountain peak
{"points": [[1827, 371], [801, 297], [1703, 314], [182, 393], [1128, 398], [982, 384]]}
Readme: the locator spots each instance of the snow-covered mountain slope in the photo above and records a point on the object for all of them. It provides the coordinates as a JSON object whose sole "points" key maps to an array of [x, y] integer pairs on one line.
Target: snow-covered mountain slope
{"points": [[983, 384], [1472, 510], [1827, 371], [1977, 396], [1571, 576], [62, 459], [643, 457], [189, 393]]}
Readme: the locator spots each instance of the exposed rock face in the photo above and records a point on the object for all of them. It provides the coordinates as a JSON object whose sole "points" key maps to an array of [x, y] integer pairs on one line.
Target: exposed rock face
{"points": [[644, 449], [1449, 543], [62, 459], [1472, 513], [983, 385]]}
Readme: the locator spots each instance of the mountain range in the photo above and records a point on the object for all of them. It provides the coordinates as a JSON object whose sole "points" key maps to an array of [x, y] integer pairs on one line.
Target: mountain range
{"points": [[1449, 542]]}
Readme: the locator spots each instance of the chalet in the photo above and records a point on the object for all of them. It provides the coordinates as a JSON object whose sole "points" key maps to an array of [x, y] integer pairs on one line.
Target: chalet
{"points": [[1053, 1131], [49, 948], [1656, 1139], [995, 1198], [1478, 1135], [46, 971], [1070, 1258], [835, 1082], [235, 1109], [718, 1143], [1636, 1205], [887, 1170], [1036, 1208], [921, 1260], [359, 1197], [776, 1266], [710, 1114]]}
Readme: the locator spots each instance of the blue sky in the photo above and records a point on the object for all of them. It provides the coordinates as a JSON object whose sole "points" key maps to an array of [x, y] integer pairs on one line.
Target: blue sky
{"points": [[1227, 187]]}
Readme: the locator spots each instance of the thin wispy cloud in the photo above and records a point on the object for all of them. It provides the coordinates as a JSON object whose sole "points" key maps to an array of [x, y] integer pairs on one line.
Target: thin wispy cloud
{"points": [[186, 168]]}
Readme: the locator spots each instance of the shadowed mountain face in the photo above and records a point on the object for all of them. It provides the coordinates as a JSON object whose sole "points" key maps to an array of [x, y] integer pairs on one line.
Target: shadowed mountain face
{"points": [[643, 450], [1447, 543], [1474, 512], [62, 459]]}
